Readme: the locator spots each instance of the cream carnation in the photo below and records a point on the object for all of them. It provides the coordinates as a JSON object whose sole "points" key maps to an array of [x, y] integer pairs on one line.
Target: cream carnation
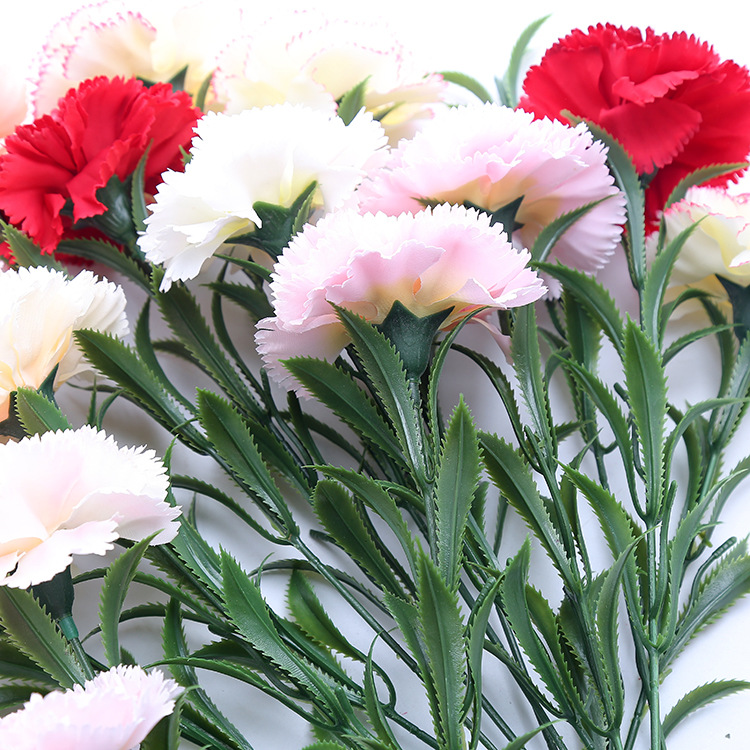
{"points": [[114, 711], [39, 310], [111, 39], [490, 156], [270, 154], [719, 245], [448, 257], [75, 492], [306, 57]]}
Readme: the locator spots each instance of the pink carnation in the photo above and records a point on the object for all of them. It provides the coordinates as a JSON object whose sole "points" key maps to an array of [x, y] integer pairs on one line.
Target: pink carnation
{"points": [[114, 711], [75, 492], [490, 156], [446, 257]]}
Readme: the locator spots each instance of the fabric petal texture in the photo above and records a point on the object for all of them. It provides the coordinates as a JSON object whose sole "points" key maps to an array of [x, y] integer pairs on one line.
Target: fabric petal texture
{"points": [[90, 492]]}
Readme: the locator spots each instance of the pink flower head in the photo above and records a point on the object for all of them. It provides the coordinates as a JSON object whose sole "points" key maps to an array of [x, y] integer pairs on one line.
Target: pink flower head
{"points": [[75, 492], [490, 156], [446, 257], [114, 711]]}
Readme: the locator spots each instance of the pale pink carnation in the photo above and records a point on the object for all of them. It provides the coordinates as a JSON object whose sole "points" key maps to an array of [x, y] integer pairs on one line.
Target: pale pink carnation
{"points": [[307, 57], [114, 711], [14, 97], [490, 156], [111, 38], [39, 311], [446, 257], [719, 245], [75, 492]]}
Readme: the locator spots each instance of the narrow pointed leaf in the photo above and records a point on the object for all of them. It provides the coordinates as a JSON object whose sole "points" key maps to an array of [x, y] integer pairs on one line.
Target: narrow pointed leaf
{"points": [[443, 632], [31, 629], [457, 479], [699, 697], [114, 590], [38, 414]]}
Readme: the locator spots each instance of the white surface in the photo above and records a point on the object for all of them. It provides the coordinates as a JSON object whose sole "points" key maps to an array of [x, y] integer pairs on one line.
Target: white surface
{"points": [[476, 38]]}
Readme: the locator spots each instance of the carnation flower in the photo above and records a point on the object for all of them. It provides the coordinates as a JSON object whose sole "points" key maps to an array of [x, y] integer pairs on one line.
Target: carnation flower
{"points": [[13, 95], [305, 57], [39, 310], [718, 246], [490, 156], [441, 258], [55, 165], [669, 100], [270, 154], [111, 39], [114, 711], [75, 492]]}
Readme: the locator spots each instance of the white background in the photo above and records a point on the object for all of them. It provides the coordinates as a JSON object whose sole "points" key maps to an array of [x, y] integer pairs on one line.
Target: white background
{"points": [[476, 38]]}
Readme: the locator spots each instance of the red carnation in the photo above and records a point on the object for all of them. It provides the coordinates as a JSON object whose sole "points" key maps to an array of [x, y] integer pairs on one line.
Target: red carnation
{"points": [[100, 129], [668, 100]]}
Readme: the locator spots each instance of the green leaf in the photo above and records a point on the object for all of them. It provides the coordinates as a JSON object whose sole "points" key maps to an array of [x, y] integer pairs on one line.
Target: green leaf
{"points": [[725, 420], [519, 743], [527, 363], [378, 499], [228, 433], [112, 256], [443, 633], [25, 251], [249, 298], [176, 653], [340, 393], [700, 176], [513, 595], [592, 297], [352, 102], [183, 315], [456, 482], [728, 582], [120, 363], [386, 371], [511, 476], [552, 232], [467, 82], [312, 617], [138, 209], [31, 629], [251, 615], [38, 414], [656, 283], [699, 697], [508, 88], [626, 178], [647, 398], [345, 522], [374, 709], [114, 590]]}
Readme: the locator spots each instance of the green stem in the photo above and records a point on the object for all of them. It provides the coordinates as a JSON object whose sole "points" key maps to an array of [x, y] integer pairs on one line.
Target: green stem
{"points": [[70, 631], [653, 634]]}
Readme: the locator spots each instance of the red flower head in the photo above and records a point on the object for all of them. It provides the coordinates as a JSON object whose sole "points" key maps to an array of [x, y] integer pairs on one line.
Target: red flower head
{"points": [[99, 130], [669, 100]]}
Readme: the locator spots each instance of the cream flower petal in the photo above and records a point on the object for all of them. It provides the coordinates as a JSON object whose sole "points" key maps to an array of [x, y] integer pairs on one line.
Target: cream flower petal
{"points": [[272, 155], [447, 257], [39, 311], [88, 493], [116, 710], [307, 57]]}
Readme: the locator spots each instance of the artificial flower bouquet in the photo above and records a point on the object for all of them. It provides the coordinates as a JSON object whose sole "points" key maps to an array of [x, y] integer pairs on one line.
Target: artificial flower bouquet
{"points": [[311, 234]]}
